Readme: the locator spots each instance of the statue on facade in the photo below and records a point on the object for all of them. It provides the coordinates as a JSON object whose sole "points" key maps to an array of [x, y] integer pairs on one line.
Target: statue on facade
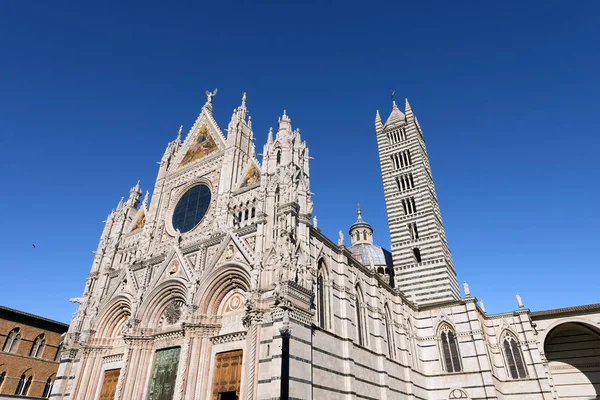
{"points": [[466, 289], [519, 301], [210, 95]]}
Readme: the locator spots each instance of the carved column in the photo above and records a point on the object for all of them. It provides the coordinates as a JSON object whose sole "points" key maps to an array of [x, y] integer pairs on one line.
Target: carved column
{"points": [[122, 375], [181, 369]]}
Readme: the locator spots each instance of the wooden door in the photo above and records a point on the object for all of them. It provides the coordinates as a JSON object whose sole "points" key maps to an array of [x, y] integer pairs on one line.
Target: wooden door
{"points": [[109, 384], [228, 374]]}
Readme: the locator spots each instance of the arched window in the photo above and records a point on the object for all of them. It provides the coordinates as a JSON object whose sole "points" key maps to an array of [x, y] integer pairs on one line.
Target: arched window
{"points": [[450, 355], [514, 357], [48, 388], [417, 254], [278, 157], [322, 297], [389, 331], [412, 346], [361, 323], [2, 376], [12, 340], [23, 386], [277, 195], [253, 213], [38, 346]]}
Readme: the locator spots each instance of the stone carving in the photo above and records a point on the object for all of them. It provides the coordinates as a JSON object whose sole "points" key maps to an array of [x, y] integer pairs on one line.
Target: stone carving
{"points": [[457, 394], [210, 95], [340, 238], [466, 289], [172, 313], [519, 301]]}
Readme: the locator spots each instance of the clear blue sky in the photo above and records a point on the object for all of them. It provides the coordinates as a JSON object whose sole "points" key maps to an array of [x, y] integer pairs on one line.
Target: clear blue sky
{"points": [[507, 95]]}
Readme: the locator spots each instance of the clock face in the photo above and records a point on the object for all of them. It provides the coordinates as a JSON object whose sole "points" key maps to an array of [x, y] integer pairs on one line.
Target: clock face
{"points": [[191, 208]]}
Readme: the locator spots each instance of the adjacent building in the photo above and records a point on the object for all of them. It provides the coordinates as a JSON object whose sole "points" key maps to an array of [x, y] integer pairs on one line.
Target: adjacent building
{"points": [[221, 286], [30, 353]]}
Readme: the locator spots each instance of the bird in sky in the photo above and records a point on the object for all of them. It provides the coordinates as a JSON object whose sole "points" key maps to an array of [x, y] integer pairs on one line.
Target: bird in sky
{"points": [[33, 245]]}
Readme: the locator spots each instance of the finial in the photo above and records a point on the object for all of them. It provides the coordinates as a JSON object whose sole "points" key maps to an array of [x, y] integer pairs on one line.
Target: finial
{"points": [[392, 95], [340, 238], [244, 100], [519, 301], [315, 224], [270, 137], [179, 133], [120, 205], [284, 112], [467, 290], [359, 212], [210, 95], [481, 305], [249, 122], [145, 201]]}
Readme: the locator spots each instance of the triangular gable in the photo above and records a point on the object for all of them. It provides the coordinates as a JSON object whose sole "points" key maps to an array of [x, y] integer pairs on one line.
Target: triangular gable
{"points": [[251, 176], [204, 139], [139, 221], [125, 282], [230, 250], [173, 266]]}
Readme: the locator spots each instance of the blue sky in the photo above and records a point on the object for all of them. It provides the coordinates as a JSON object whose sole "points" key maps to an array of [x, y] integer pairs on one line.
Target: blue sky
{"points": [[507, 95]]}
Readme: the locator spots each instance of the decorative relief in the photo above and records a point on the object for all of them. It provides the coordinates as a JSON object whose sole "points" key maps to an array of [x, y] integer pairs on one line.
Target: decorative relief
{"points": [[112, 358], [139, 222], [250, 241], [231, 337], [235, 303], [457, 394], [202, 145], [251, 177], [172, 313]]}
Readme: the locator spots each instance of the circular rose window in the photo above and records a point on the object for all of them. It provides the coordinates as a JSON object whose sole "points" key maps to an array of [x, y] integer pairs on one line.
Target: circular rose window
{"points": [[191, 208]]}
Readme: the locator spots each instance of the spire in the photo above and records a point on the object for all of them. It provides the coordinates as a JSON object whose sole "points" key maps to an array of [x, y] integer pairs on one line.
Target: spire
{"points": [[179, 134], [120, 205], [285, 123], [134, 195], [396, 115], [359, 212], [270, 137], [244, 100], [378, 123], [408, 110], [145, 201]]}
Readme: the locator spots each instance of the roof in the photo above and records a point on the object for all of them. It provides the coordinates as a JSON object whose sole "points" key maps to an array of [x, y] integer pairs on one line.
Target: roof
{"points": [[59, 325], [585, 309], [396, 116], [367, 252]]}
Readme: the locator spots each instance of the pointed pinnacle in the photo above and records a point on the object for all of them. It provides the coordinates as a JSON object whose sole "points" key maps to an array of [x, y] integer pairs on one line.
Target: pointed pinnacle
{"points": [[179, 132], [407, 108]]}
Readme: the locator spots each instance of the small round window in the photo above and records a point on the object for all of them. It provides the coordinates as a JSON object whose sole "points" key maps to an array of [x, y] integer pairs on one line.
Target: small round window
{"points": [[191, 208]]}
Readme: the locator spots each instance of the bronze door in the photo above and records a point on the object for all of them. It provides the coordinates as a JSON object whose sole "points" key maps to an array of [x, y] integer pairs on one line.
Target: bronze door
{"points": [[228, 374], [109, 384], [164, 374]]}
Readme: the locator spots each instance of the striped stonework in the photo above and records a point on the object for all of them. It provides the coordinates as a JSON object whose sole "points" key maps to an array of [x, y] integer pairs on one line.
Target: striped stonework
{"points": [[422, 261]]}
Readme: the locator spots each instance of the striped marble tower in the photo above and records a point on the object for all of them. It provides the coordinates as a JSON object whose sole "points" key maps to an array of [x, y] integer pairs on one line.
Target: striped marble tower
{"points": [[422, 261]]}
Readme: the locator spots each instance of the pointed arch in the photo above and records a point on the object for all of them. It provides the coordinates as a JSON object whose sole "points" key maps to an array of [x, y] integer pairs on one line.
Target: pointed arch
{"points": [[38, 346], [389, 330], [170, 291], [219, 284], [23, 385], [361, 321], [112, 318], [48, 386], [2, 378], [449, 351], [513, 355], [322, 295], [413, 348], [12, 340]]}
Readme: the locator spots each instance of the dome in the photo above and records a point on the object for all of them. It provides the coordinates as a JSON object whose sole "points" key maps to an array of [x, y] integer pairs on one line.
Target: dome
{"points": [[368, 253]]}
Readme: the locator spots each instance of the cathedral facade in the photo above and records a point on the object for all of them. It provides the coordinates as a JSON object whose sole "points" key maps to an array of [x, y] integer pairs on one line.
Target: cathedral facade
{"points": [[223, 287]]}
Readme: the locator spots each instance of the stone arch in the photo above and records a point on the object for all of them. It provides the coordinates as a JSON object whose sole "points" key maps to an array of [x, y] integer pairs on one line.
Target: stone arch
{"points": [[219, 284], [512, 354], [572, 349], [456, 393], [167, 292], [111, 319]]}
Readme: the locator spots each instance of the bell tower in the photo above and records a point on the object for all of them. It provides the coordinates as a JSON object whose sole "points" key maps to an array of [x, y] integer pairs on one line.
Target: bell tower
{"points": [[423, 265]]}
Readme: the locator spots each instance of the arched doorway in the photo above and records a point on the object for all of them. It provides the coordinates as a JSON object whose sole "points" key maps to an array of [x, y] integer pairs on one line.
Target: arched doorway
{"points": [[573, 353]]}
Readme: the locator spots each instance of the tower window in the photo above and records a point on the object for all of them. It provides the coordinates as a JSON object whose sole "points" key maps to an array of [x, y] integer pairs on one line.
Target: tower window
{"points": [[48, 388], [417, 254], [253, 212], [401, 159], [450, 355], [246, 215], [23, 386], [278, 157], [514, 358], [409, 206], [412, 230]]}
